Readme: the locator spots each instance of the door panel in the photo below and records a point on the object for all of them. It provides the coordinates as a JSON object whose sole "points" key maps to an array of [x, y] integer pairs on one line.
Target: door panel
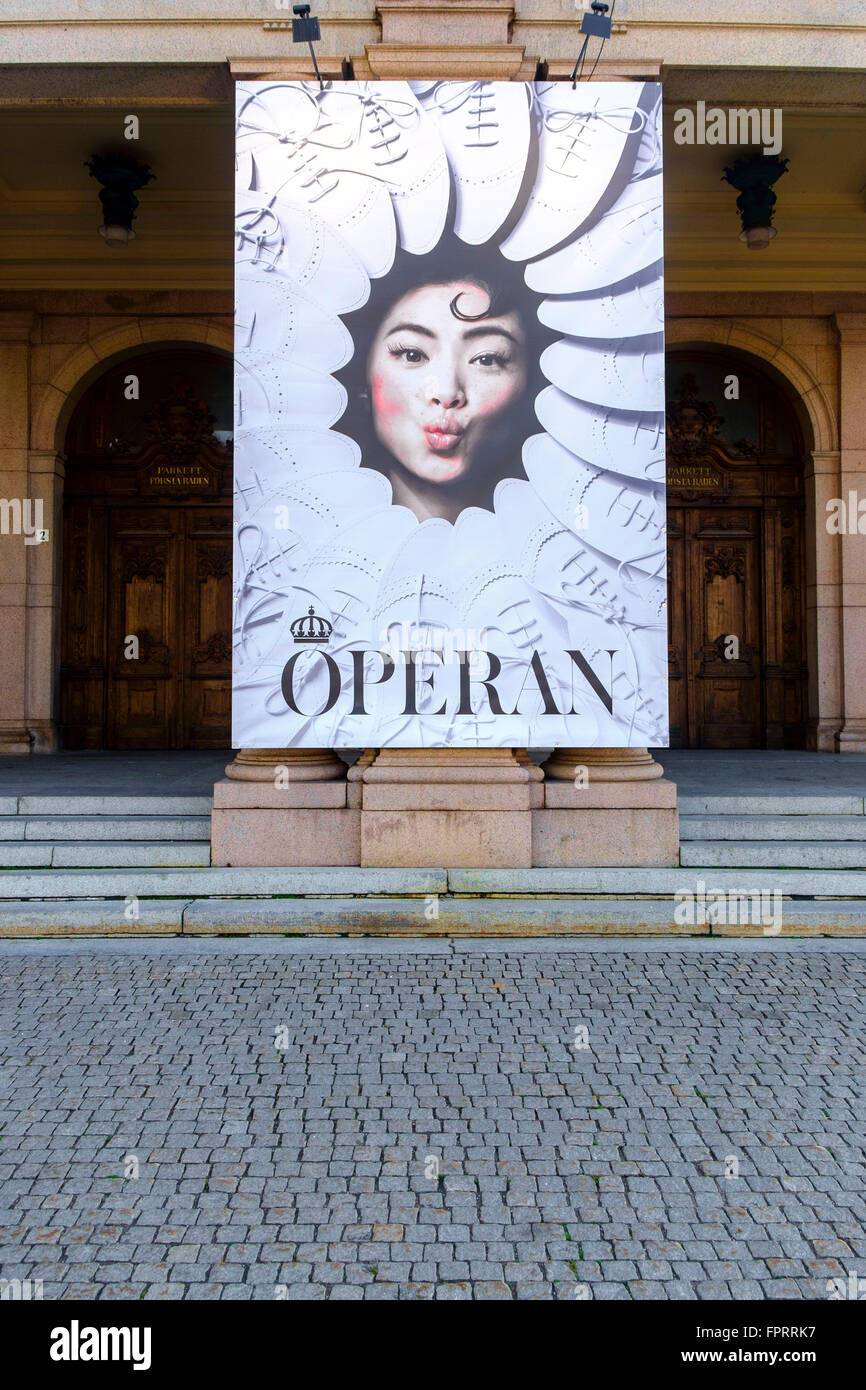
{"points": [[207, 629], [725, 640], [144, 696], [147, 627], [678, 702]]}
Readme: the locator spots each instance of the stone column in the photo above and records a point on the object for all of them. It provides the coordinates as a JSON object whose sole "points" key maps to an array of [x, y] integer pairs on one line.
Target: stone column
{"points": [[44, 598], [604, 808], [852, 542], [15, 493], [285, 808], [823, 605], [461, 808]]}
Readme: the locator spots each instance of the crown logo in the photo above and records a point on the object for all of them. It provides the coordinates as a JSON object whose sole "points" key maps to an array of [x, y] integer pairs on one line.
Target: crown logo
{"points": [[311, 628]]}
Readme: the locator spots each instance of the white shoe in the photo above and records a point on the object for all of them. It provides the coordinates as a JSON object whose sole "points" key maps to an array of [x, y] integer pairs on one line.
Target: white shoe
{"points": [[275, 318], [266, 458], [268, 392], [630, 443], [287, 146], [395, 143], [618, 519], [279, 240], [614, 375], [583, 133], [623, 242], [631, 311], [649, 155], [485, 128]]}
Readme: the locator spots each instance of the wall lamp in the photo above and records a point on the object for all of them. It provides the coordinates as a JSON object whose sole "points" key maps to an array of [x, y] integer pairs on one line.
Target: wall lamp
{"points": [[754, 175], [121, 176]]}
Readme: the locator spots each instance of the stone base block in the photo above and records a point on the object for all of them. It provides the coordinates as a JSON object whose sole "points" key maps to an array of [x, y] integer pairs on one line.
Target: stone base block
{"points": [[14, 738], [308, 796], [605, 838], [433, 796], [285, 839], [257, 825], [460, 839], [561, 796], [607, 824]]}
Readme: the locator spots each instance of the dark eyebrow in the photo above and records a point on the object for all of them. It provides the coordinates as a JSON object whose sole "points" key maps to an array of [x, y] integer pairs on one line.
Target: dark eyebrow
{"points": [[411, 328], [485, 332]]}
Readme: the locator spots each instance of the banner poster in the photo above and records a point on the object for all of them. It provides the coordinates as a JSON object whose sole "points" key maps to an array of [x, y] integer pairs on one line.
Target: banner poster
{"points": [[449, 504]]}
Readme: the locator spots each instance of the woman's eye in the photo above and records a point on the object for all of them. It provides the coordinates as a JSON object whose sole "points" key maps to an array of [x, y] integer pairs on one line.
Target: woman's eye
{"points": [[407, 354], [491, 359]]}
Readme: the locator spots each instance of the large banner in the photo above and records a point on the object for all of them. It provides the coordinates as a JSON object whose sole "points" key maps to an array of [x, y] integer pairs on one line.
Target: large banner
{"points": [[449, 507]]}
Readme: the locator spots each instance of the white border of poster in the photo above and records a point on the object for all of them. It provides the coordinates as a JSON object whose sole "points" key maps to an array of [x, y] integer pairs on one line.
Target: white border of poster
{"points": [[449, 443]]}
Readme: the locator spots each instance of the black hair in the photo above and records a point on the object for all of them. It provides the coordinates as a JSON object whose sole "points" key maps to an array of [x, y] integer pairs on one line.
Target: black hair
{"points": [[503, 283]]}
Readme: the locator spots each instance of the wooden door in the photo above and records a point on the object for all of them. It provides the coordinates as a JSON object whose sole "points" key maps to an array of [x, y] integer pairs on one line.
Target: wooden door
{"points": [[143, 656], [715, 586], [169, 628], [147, 584], [736, 574], [207, 629]]}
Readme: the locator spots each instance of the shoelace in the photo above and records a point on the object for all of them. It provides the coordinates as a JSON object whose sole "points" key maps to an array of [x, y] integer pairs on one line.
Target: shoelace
{"points": [[560, 121], [270, 241], [481, 118], [386, 119]]}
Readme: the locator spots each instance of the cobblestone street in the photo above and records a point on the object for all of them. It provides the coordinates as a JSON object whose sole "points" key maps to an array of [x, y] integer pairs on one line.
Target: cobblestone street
{"points": [[314, 1119]]}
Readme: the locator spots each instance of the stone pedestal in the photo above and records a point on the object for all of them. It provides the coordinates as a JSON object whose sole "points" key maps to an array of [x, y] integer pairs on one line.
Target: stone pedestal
{"points": [[461, 808], [281, 808], [605, 808]]}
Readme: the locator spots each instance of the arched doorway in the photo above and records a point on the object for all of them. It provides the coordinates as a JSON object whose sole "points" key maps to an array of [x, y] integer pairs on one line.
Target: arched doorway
{"points": [[147, 569], [736, 573]]}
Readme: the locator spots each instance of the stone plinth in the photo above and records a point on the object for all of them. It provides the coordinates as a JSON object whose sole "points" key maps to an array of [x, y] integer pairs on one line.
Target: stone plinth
{"points": [[462, 808], [605, 808], [284, 808]]}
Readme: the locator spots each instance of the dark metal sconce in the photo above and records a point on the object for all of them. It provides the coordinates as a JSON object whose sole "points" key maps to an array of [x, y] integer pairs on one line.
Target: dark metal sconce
{"points": [[754, 175], [121, 176]]}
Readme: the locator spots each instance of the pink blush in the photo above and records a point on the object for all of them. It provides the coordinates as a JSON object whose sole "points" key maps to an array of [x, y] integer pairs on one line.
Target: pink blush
{"points": [[383, 404]]}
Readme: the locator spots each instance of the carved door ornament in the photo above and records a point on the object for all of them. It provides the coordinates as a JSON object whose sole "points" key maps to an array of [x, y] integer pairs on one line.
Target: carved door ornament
{"points": [[183, 457]]}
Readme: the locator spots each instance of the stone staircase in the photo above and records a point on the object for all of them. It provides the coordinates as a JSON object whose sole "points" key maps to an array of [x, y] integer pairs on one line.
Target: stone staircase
{"points": [[773, 832], [104, 832], [129, 865]]}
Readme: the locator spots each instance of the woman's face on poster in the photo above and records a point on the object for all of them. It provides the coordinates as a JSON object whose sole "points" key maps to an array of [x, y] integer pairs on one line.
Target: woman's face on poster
{"points": [[439, 382]]}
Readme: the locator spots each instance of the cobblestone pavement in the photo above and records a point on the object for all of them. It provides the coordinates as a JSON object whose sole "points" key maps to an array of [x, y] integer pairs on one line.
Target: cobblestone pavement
{"points": [[605, 1171]]}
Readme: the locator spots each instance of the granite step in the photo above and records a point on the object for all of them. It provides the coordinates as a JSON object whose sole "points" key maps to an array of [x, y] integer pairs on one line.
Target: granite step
{"points": [[773, 854], [104, 854], [59, 883], [772, 827], [797, 804], [143, 805], [409, 917], [203, 882], [85, 828]]}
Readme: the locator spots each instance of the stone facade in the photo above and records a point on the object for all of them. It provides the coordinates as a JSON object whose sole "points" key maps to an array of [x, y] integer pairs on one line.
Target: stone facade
{"points": [[65, 315]]}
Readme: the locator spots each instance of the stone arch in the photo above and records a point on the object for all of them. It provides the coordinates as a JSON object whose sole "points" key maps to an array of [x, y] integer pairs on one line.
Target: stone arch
{"points": [[813, 402], [61, 395], [802, 384], [51, 412]]}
